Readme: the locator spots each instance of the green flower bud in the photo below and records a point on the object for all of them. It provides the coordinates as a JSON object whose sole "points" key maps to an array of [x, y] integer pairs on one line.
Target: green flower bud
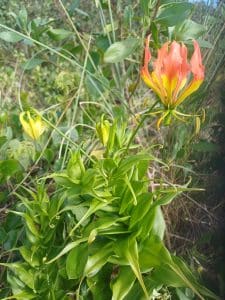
{"points": [[103, 130]]}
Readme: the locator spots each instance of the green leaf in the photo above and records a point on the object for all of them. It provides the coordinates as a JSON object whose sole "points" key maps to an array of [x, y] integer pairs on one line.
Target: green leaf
{"points": [[31, 224], [181, 295], [11, 37], [66, 249], [103, 223], [94, 206], [188, 30], [88, 181], [174, 13], [94, 86], [68, 131], [59, 34], [137, 293], [128, 198], [159, 225], [120, 50], [102, 43], [177, 274], [32, 63], [22, 18], [76, 261], [129, 162], [138, 212], [23, 272], [204, 44], [130, 190], [98, 259], [30, 257], [155, 33], [128, 15], [145, 227], [21, 296], [9, 168], [153, 254], [145, 5], [190, 280], [99, 284], [127, 249], [49, 155], [165, 275], [15, 283], [179, 140], [165, 199], [95, 58], [64, 180], [123, 283]]}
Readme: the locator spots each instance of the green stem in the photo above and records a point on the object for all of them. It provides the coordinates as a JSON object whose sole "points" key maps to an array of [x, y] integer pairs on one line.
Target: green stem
{"points": [[137, 128]]}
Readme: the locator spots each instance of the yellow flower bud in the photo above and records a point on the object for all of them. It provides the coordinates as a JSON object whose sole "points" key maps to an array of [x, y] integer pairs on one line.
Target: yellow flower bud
{"points": [[197, 125], [33, 126], [103, 129]]}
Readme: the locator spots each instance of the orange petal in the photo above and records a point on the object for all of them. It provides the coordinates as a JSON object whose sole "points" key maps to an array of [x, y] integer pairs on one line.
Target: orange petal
{"points": [[145, 75], [185, 66], [173, 68], [162, 55], [144, 70], [147, 54], [173, 61], [183, 74], [197, 67]]}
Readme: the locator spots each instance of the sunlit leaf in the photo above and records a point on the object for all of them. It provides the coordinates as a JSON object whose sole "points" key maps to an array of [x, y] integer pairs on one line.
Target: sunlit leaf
{"points": [[98, 259], [123, 283], [120, 50], [59, 34], [173, 13], [188, 30], [127, 248], [11, 37]]}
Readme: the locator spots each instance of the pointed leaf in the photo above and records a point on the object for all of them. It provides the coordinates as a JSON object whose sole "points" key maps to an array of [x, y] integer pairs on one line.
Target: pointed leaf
{"points": [[120, 50], [173, 13], [66, 249], [127, 248], [10, 37], [76, 261], [123, 283], [98, 260]]}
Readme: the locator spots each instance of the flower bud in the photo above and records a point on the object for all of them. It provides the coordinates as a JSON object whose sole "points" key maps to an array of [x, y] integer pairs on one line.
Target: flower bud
{"points": [[75, 167], [103, 131], [33, 126]]}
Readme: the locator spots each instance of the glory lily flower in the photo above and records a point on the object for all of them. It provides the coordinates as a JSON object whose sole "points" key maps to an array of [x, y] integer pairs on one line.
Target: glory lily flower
{"points": [[33, 126], [173, 78]]}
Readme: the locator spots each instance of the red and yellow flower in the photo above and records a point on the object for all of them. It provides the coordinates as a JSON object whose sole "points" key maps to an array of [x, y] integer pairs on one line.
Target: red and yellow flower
{"points": [[173, 78]]}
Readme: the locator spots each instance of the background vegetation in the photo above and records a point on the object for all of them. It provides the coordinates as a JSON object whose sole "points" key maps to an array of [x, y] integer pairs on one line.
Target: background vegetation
{"points": [[56, 62]]}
